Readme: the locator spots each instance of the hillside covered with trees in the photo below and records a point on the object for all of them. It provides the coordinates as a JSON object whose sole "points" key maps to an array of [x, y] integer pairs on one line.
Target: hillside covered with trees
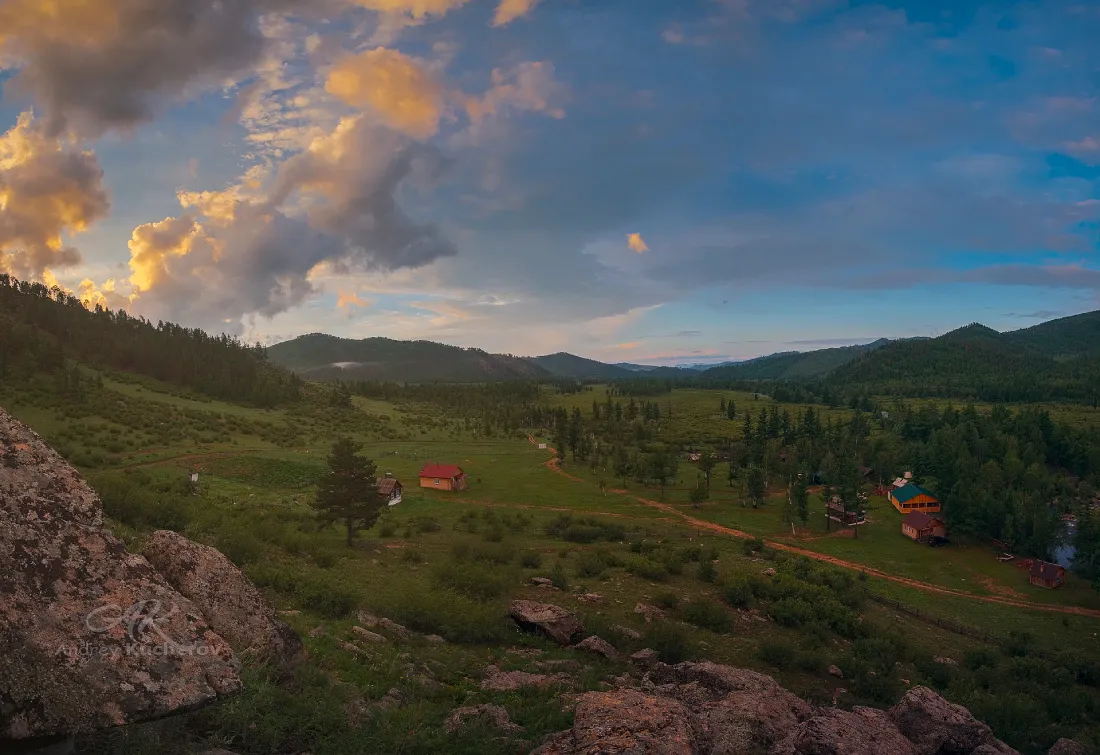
{"points": [[47, 331]]}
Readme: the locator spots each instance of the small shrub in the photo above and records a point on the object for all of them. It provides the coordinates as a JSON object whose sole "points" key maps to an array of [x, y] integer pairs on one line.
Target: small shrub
{"points": [[666, 599], [559, 577], [590, 564], [738, 592], [671, 642], [530, 559], [494, 534], [707, 614], [476, 582], [412, 556], [646, 569], [387, 529], [330, 601], [777, 654], [706, 572]]}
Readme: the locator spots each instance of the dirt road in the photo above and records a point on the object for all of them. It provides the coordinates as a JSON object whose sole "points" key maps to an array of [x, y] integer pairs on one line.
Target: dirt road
{"points": [[702, 524]]}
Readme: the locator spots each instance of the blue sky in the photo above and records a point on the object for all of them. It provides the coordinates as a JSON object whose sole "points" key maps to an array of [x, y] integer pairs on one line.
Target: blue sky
{"points": [[802, 173]]}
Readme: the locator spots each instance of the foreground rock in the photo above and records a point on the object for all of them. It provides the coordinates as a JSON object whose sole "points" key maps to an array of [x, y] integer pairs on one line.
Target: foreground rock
{"points": [[234, 607], [598, 646], [90, 636], [553, 621], [627, 721], [936, 726], [1067, 747], [710, 709]]}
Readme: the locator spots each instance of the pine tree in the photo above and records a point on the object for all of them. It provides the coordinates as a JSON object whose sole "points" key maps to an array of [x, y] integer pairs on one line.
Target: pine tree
{"points": [[348, 493]]}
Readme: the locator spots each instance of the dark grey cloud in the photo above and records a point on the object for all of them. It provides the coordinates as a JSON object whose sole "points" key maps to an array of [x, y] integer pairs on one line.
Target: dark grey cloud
{"points": [[112, 64], [359, 178]]}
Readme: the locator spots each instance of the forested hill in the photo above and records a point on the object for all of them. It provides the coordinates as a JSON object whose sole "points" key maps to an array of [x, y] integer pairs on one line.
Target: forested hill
{"points": [[47, 331], [569, 365], [792, 364], [1058, 360], [323, 357]]}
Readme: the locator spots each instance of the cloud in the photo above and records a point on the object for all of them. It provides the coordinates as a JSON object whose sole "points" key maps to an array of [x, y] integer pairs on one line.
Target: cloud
{"points": [[509, 10], [95, 65], [413, 10], [636, 243], [251, 249], [1041, 314], [350, 299], [528, 86], [47, 189], [397, 87]]}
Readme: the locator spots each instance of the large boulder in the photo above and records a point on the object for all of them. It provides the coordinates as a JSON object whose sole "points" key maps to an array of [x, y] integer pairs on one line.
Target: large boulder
{"points": [[739, 710], [90, 636], [938, 727], [557, 623], [234, 607], [831, 731], [627, 722], [1067, 747]]}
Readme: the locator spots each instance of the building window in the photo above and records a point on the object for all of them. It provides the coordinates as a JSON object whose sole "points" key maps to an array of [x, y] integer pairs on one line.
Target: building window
{"points": [[436, 480]]}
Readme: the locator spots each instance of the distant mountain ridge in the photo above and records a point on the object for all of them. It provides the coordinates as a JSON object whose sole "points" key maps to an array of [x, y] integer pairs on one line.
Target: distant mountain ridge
{"points": [[970, 355], [323, 357]]}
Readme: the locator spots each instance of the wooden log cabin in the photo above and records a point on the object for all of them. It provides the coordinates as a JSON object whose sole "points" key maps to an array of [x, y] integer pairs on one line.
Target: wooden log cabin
{"points": [[913, 497], [390, 489], [443, 477], [922, 527]]}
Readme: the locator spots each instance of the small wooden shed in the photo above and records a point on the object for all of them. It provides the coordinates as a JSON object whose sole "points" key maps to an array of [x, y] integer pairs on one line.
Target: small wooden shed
{"points": [[1046, 574], [921, 527]]}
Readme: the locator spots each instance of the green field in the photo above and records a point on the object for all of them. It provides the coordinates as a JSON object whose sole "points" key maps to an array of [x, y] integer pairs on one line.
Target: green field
{"points": [[448, 564]]}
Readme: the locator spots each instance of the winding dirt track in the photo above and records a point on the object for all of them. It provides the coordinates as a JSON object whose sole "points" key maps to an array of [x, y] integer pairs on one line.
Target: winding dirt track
{"points": [[702, 524]]}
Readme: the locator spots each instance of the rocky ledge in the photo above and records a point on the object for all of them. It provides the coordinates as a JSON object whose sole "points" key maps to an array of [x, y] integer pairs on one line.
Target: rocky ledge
{"points": [[91, 636], [710, 709]]}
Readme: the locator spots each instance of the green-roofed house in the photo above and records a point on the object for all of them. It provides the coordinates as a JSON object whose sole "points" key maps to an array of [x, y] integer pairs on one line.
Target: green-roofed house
{"points": [[913, 497]]}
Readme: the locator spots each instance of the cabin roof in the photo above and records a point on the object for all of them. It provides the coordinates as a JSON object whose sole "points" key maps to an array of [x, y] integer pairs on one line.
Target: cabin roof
{"points": [[1046, 570], [387, 484], [918, 520], [910, 491], [441, 470]]}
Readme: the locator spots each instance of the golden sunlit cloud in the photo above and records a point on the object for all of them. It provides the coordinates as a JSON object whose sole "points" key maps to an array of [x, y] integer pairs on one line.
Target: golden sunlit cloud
{"points": [[395, 86], [153, 245], [47, 189], [636, 243], [350, 300], [417, 10], [510, 10], [528, 86]]}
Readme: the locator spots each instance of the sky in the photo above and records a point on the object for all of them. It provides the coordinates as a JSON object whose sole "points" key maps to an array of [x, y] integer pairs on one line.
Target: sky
{"points": [[629, 180]]}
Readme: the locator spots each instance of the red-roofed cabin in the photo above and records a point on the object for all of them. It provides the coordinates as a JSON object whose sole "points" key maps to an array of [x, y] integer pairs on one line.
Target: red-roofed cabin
{"points": [[1045, 574], [442, 477], [921, 526]]}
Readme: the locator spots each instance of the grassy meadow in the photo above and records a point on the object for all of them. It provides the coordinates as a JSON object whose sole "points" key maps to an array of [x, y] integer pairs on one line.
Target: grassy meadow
{"points": [[448, 564]]}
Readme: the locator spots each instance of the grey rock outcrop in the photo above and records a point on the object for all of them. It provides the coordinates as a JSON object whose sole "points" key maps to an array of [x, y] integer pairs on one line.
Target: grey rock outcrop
{"points": [[1067, 747], [557, 623], [710, 709], [90, 636], [231, 604]]}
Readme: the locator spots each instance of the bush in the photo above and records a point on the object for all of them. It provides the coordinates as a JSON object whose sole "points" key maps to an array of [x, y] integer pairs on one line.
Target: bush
{"points": [[330, 601], [240, 546], [590, 564], [671, 642], [707, 614], [777, 654], [476, 582], [706, 571], [450, 616], [646, 569], [666, 599], [584, 531], [530, 559], [791, 612], [387, 529], [559, 577], [738, 592]]}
